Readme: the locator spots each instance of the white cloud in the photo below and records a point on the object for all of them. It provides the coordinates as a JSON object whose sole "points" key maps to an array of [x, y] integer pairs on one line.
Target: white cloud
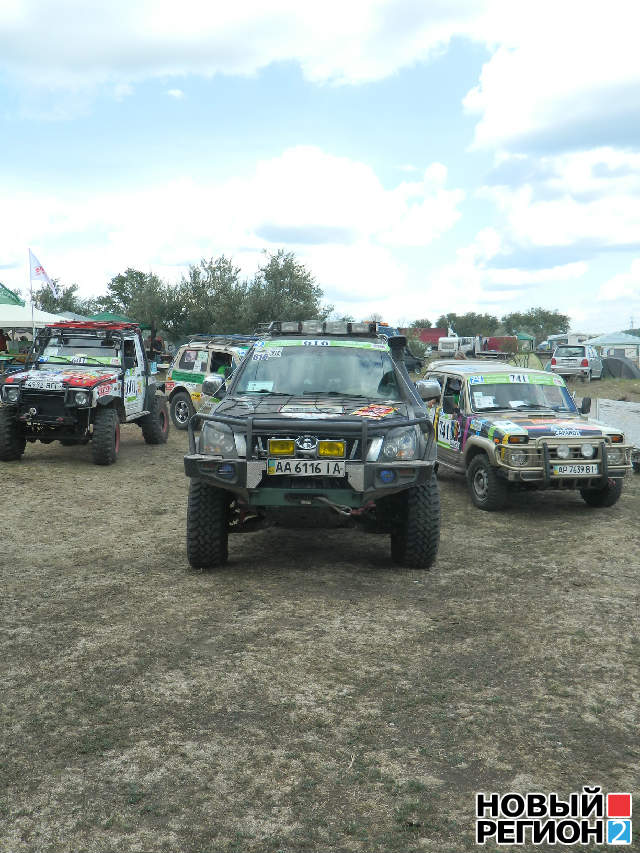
{"points": [[624, 286], [175, 93], [333, 212], [122, 91]]}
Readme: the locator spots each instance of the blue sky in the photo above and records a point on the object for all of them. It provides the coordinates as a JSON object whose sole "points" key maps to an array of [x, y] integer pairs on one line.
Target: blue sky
{"points": [[419, 158]]}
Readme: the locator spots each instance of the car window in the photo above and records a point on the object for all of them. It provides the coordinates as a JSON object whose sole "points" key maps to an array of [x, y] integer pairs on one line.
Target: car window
{"points": [[194, 359], [452, 394], [569, 352]]}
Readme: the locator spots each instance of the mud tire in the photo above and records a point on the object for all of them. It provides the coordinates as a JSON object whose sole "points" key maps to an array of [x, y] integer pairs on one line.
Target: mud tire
{"points": [[487, 490], [12, 439], [207, 526], [181, 410], [603, 497], [106, 436], [155, 425], [415, 533]]}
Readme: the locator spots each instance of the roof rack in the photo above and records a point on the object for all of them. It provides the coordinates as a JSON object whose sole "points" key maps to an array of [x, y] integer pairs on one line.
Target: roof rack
{"points": [[222, 339]]}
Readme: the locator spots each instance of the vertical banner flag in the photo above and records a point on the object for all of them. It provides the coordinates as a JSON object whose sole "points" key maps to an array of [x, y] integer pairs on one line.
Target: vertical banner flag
{"points": [[38, 273]]}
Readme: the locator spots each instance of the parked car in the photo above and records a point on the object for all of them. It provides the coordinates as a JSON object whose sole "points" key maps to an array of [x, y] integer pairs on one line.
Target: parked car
{"points": [[320, 426], [577, 360], [506, 427], [81, 381], [202, 355]]}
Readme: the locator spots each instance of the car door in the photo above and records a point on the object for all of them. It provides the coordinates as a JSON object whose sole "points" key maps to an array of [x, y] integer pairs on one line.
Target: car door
{"points": [[449, 421], [596, 361], [134, 377]]}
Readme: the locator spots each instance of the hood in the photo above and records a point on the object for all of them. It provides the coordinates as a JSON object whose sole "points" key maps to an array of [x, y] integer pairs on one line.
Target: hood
{"points": [[55, 379], [317, 408], [541, 426]]}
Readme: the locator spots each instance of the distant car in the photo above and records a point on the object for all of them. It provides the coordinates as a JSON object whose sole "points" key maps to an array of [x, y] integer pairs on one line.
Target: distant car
{"points": [[577, 360], [506, 427]]}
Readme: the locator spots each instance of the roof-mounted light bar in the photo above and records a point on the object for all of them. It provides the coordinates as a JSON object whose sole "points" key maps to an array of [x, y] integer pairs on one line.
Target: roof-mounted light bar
{"points": [[319, 327]]}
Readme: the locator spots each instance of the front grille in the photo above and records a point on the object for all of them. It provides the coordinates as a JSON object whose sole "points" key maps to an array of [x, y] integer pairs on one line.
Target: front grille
{"points": [[261, 445], [49, 404]]}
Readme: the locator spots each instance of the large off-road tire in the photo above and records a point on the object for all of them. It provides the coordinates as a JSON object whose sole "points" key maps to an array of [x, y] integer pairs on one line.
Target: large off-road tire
{"points": [[607, 496], [155, 425], [207, 526], [105, 443], [488, 491], [415, 534], [181, 410], [12, 438]]}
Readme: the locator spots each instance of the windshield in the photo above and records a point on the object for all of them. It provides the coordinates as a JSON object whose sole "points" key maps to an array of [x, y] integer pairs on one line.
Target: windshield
{"points": [[347, 371], [78, 349], [536, 394]]}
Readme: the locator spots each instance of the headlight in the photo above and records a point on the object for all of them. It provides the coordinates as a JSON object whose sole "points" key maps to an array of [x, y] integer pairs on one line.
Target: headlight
{"points": [[11, 395], [518, 457], [615, 456], [82, 398], [400, 444], [563, 451], [587, 450], [217, 440]]}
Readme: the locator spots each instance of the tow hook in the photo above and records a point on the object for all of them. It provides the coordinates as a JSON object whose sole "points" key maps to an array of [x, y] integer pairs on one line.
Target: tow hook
{"points": [[339, 508]]}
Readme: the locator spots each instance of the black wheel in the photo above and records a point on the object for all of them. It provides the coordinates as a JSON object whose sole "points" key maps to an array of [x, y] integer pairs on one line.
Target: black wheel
{"points": [[607, 496], [587, 376], [12, 438], [207, 526], [487, 490], [155, 425], [106, 436], [415, 532], [68, 442], [181, 410]]}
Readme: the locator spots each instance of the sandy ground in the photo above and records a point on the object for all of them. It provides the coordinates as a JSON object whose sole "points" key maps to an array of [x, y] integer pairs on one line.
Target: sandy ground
{"points": [[308, 696]]}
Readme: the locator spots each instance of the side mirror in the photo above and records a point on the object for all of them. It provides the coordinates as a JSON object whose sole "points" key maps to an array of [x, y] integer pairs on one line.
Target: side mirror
{"points": [[585, 406], [428, 389], [212, 384]]}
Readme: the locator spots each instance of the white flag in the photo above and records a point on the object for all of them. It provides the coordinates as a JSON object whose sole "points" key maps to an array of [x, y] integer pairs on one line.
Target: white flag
{"points": [[38, 272]]}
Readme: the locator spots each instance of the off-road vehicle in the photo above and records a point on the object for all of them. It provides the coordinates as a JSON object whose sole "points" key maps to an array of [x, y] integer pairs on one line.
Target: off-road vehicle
{"points": [[82, 380], [320, 426], [204, 354], [506, 426]]}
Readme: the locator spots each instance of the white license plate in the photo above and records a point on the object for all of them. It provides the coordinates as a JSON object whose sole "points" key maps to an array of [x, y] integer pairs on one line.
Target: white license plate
{"points": [[43, 384], [575, 470], [306, 467]]}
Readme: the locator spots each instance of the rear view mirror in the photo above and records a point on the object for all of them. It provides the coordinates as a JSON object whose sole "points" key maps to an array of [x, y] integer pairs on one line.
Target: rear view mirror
{"points": [[585, 406], [429, 389], [212, 384]]}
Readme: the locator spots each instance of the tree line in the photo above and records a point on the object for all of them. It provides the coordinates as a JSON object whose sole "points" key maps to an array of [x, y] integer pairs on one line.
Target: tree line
{"points": [[213, 297]]}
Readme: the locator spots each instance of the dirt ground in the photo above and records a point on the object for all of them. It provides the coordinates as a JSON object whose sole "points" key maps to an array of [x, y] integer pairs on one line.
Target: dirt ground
{"points": [[307, 697]]}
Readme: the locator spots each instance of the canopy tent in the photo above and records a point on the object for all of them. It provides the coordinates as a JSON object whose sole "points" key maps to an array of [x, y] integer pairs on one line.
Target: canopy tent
{"points": [[19, 317], [8, 297], [612, 339]]}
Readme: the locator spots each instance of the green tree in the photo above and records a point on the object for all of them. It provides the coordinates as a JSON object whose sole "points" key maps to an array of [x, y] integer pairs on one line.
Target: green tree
{"points": [[283, 289], [538, 322], [211, 298], [65, 298], [469, 324], [420, 324]]}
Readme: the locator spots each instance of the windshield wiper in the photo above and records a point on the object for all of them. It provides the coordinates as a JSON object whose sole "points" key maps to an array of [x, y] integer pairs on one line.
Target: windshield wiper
{"points": [[338, 394], [271, 393]]}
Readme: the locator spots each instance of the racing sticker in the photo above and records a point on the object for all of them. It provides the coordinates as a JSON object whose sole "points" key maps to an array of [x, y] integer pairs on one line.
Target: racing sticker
{"points": [[108, 388], [374, 412], [448, 431], [266, 354], [310, 411], [515, 378], [322, 342]]}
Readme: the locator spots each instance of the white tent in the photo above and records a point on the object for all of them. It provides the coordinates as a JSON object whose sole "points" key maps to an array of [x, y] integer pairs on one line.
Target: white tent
{"points": [[19, 317]]}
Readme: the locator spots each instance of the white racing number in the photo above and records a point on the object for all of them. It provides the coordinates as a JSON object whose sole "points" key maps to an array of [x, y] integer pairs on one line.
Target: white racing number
{"points": [[316, 343]]}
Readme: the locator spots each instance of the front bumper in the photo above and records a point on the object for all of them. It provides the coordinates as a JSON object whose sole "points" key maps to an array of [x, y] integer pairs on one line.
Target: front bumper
{"points": [[539, 469], [249, 480]]}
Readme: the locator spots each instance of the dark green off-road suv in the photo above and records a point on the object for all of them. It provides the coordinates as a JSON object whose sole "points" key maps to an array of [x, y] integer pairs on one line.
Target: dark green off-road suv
{"points": [[320, 426]]}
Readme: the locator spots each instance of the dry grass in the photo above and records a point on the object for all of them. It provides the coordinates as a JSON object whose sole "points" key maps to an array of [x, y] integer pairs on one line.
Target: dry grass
{"points": [[308, 697]]}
